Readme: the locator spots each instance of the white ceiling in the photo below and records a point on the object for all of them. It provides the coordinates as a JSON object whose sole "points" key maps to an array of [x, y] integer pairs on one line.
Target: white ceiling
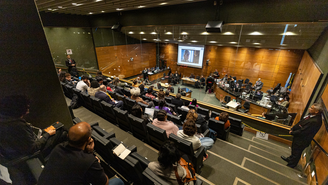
{"points": [[87, 7], [297, 36]]}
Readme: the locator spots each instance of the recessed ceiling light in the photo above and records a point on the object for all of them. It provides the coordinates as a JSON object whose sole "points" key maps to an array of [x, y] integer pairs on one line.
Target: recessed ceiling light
{"points": [[54, 9], [153, 33], [119, 9], [75, 4], [168, 33], [141, 6], [213, 41], [142, 32], [194, 41], [255, 33], [256, 43], [131, 32], [49, 9], [166, 40], [98, 0], [220, 45], [102, 11], [180, 40], [163, 3], [228, 33], [90, 12], [60, 7], [144, 39], [184, 33], [288, 33], [205, 33], [233, 42]]}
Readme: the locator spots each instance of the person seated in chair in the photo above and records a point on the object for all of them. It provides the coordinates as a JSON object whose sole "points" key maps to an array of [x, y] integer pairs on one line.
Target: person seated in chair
{"points": [[18, 139], [167, 161], [170, 88], [162, 122], [100, 80], [192, 115], [224, 117], [192, 75], [135, 83], [194, 102], [73, 162], [258, 85], [161, 95], [68, 79], [150, 93], [161, 106], [135, 95], [167, 94], [102, 94], [83, 84], [177, 100], [94, 87], [138, 112]]}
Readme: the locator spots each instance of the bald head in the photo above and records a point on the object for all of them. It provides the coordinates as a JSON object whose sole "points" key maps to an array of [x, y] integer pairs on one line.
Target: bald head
{"points": [[102, 88], [79, 134]]}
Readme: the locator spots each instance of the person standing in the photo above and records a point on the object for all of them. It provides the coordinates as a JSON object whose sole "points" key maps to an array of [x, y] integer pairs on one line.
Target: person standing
{"points": [[303, 133], [209, 83], [70, 63]]}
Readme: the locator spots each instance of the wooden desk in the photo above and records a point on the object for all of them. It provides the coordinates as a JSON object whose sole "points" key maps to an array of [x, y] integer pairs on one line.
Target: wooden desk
{"points": [[254, 107], [188, 81], [158, 75]]}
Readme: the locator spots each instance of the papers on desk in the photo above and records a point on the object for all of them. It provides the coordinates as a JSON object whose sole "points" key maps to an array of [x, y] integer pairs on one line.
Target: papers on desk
{"points": [[233, 104], [150, 73], [121, 151], [150, 112]]}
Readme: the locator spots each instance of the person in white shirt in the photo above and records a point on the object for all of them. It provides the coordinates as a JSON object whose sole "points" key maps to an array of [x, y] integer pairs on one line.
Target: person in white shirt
{"points": [[83, 84]]}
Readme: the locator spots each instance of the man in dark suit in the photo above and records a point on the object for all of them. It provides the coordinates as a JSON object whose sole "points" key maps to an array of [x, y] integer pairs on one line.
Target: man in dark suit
{"points": [[209, 83], [103, 95], [176, 77], [177, 100], [70, 63], [303, 133]]}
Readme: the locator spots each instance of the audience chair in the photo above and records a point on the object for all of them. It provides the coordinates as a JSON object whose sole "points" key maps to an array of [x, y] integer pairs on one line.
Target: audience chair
{"points": [[69, 91], [143, 106], [76, 120], [129, 104], [127, 92], [173, 107], [139, 128], [246, 107], [185, 147], [218, 126], [227, 99], [192, 107], [246, 81], [204, 112], [156, 101], [168, 100], [109, 112], [237, 127], [175, 119], [215, 114], [144, 97], [122, 119], [112, 94], [80, 98], [142, 160], [87, 101], [151, 178], [96, 103], [183, 113], [157, 135], [120, 97]]}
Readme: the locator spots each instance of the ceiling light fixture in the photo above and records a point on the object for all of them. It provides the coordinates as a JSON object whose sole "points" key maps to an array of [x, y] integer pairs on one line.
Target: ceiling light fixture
{"points": [[194, 41], [180, 40], [228, 33], [212, 41], [49, 9], [102, 11], [144, 39], [60, 7], [163, 3], [142, 32], [131, 32], [153, 33], [141, 6], [166, 40], [256, 43], [205, 33], [119, 9], [168, 33], [98, 0], [90, 12], [75, 4], [255, 33], [184, 33], [288, 33], [233, 42]]}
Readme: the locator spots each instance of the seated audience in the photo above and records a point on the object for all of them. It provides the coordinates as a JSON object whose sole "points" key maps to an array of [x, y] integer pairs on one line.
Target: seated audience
{"points": [[162, 122], [159, 86], [170, 88], [107, 86], [166, 164], [177, 100], [150, 93], [99, 74], [94, 87], [62, 77], [83, 84], [142, 89], [224, 117], [192, 115], [102, 94], [167, 94], [99, 80], [68, 79], [138, 112], [59, 71], [135, 95], [285, 102], [185, 106], [18, 139], [188, 133], [194, 102], [192, 75], [161, 106], [73, 162]]}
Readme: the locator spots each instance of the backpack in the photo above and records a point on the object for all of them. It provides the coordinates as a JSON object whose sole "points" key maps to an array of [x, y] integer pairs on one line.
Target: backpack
{"points": [[190, 171]]}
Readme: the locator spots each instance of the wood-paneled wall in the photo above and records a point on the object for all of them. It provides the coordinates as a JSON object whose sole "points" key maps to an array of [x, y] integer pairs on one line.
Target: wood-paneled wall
{"points": [[273, 66], [115, 60], [304, 82]]}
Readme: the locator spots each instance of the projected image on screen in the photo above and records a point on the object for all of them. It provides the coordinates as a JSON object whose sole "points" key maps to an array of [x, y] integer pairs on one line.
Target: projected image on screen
{"points": [[191, 56]]}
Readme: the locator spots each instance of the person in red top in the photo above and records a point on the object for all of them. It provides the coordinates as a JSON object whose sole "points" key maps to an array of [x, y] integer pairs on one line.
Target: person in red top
{"points": [[149, 93], [224, 117]]}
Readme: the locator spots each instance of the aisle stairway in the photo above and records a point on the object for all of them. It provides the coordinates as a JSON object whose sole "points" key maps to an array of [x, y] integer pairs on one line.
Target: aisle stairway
{"points": [[240, 160]]}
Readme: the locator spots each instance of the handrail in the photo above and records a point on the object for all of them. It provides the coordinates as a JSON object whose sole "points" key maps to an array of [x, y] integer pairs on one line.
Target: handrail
{"points": [[223, 109], [320, 147], [77, 70]]}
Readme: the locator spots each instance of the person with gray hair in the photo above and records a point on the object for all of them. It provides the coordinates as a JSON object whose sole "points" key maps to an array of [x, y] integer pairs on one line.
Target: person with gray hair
{"points": [[135, 95], [102, 94], [303, 133]]}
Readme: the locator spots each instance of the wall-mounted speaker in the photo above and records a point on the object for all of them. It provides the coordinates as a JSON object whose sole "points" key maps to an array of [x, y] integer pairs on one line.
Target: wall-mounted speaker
{"points": [[116, 27]]}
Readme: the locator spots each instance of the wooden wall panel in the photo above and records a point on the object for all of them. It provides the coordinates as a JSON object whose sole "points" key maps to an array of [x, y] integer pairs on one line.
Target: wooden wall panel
{"points": [[304, 82], [272, 65], [115, 60], [321, 160]]}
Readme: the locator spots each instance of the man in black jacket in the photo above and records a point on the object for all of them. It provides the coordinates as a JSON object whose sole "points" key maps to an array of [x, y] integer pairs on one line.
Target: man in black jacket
{"points": [[303, 133], [103, 95], [177, 100], [70, 63], [209, 83]]}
